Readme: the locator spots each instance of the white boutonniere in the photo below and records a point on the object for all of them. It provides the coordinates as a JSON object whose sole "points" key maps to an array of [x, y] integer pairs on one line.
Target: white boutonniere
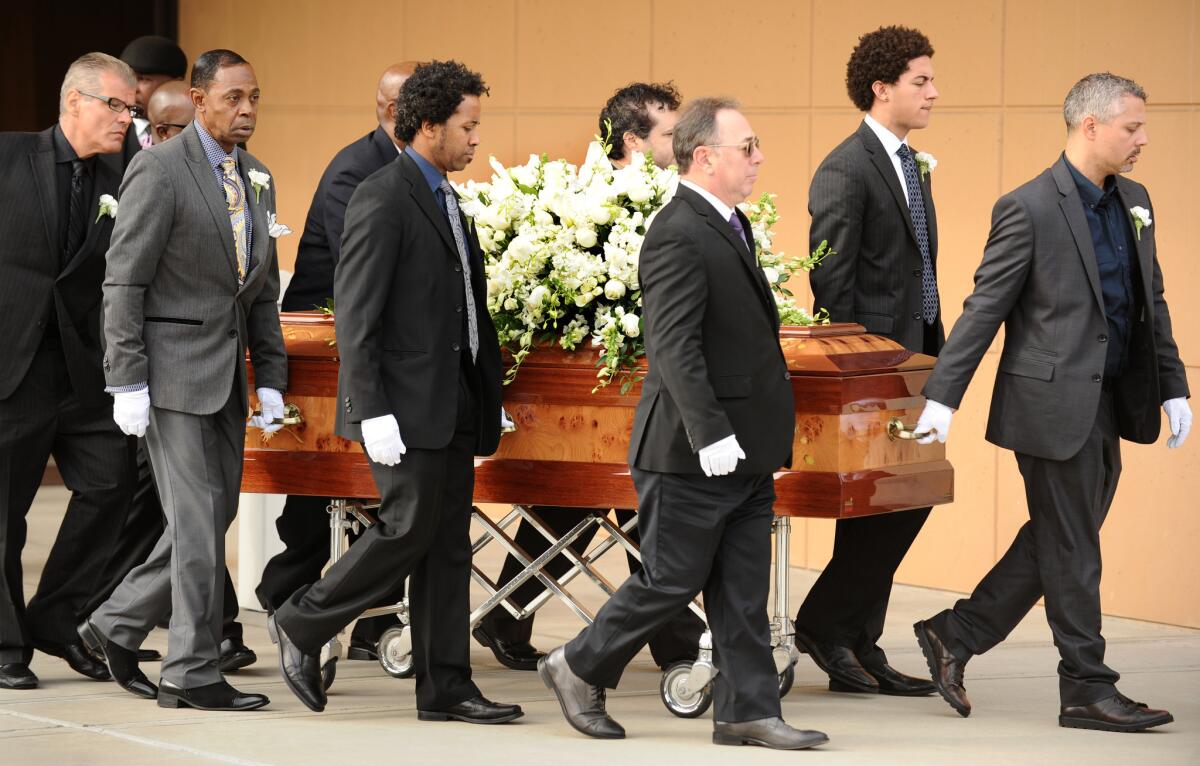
{"points": [[1141, 220], [276, 229], [108, 207], [926, 163], [259, 180]]}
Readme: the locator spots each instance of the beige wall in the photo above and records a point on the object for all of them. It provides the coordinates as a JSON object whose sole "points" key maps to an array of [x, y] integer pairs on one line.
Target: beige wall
{"points": [[1002, 66]]}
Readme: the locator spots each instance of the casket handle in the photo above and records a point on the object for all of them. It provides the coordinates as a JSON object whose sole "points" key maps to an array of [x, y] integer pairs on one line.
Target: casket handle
{"points": [[897, 430], [291, 416]]}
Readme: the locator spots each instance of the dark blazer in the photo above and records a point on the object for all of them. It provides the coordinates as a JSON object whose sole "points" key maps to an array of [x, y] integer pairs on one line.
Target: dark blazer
{"points": [[321, 242], [31, 281], [399, 288], [1039, 277], [712, 346], [858, 206]]}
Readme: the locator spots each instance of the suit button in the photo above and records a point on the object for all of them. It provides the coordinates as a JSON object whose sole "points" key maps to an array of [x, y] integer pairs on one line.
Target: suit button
{"points": [[458, 309], [455, 347], [787, 376], [917, 315], [41, 323], [916, 272], [457, 268], [233, 333], [1103, 338], [1097, 378]]}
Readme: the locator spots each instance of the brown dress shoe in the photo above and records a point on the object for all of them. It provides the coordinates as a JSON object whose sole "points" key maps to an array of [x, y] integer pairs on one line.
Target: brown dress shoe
{"points": [[1116, 713], [944, 667]]}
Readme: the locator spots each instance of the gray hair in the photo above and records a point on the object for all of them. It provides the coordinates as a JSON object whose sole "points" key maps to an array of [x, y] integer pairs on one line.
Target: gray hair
{"points": [[1098, 95], [84, 74], [697, 126]]}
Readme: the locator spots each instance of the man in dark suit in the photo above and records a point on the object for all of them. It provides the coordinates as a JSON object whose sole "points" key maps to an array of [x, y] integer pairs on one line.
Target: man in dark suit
{"points": [[1071, 271], [55, 224], [871, 199], [419, 386], [156, 61], [715, 419]]}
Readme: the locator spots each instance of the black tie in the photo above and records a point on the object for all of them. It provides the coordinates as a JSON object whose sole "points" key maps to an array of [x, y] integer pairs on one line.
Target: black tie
{"points": [[77, 217]]}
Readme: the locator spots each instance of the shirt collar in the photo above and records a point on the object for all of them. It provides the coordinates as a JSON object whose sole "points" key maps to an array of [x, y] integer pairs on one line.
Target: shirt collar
{"points": [[1090, 193], [891, 142], [724, 210], [63, 151], [212, 150], [433, 176]]}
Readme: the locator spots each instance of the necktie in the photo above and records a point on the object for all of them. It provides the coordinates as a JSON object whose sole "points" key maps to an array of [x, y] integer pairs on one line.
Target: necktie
{"points": [[235, 200], [76, 216], [460, 241], [916, 209], [736, 224]]}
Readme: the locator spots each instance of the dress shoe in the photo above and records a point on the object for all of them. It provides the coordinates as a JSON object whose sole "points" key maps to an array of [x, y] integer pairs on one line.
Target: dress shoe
{"points": [[944, 667], [301, 672], [517, 656], [122, 662], [78, 658], [149, 655], [582, 704], [476, 710], [218, 696], [235, 655], [769, 732], [362, 649], [846, 673], [1116, 713], [892, 681], [17, 675]]}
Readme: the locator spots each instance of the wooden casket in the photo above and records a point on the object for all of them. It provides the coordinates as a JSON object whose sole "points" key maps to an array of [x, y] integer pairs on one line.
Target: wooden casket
{"points": [[852, 392]]}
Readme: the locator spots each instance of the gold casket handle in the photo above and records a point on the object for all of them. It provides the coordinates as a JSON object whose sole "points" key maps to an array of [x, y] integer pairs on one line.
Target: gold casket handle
{"points": [[291, 416], [897, 430]]}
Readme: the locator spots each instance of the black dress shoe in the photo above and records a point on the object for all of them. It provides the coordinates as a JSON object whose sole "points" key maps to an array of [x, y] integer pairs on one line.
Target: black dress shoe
{"points": [[78, 658], [362, 649], [476, 710], [517, 656], [892, 681], [235, 655], [846, 673], [122, 662], [301, 672], [582, 704], [218, 696], [149, 655], [944, 667], [767, 732], [1117, 713], [17, 675]]}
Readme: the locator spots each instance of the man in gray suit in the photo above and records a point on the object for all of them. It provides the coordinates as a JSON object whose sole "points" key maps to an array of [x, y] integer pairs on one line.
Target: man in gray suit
{"points": [[192, 282], [1070, 269]]}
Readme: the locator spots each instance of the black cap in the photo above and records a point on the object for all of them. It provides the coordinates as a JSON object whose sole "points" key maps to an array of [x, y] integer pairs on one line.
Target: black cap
{"points": [[152, 54]]}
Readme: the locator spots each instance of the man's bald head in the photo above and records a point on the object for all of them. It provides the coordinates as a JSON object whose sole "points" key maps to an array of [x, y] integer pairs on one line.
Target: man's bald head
{"points": [[387, 92], [169, 110]]}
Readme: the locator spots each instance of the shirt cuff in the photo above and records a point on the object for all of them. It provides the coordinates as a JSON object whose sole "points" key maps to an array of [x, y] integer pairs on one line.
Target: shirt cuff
{"points": [[126, 389]]}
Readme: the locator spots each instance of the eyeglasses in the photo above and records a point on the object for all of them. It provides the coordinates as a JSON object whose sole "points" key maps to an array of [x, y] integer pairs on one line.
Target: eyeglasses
{"points": [[167, 129], [114, 104], [748, 146]]}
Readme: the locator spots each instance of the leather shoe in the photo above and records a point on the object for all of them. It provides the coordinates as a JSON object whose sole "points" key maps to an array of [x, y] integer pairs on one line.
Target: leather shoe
{"points": [[945, 669], [892, 681], [149, 655], [235, 655], [17, 675], [362, 649], [122, 662], [582, 704], [1116, 713], [475, 710], [846, 673], [517, 656], [301, 672], [78, 658], [218, 696], [769, 732]]}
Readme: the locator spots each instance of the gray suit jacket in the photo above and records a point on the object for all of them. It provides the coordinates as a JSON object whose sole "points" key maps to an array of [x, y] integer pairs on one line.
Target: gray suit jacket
{"points": [[174, 316], [1040, 279]]}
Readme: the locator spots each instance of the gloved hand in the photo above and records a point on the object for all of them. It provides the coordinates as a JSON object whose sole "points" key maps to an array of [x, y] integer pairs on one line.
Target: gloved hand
{"points": [[506, 423], [720, 458], [935, 419], [270, 403], [381, 437], [131, 411], [1179, 418]]}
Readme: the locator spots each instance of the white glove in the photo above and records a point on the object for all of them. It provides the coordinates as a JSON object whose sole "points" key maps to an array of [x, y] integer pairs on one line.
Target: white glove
{"points": [[506, 423], [1179, 418], [270, 403], [131, 411], [381, 436], [720, 458], [935, 419]]}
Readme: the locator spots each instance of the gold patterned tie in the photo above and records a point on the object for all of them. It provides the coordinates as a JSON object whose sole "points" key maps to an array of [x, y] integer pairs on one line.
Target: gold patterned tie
{"points": [[235, 199]]}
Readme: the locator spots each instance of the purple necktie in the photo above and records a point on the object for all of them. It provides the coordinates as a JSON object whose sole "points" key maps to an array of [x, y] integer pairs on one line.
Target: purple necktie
{"points": [[736, 223]]}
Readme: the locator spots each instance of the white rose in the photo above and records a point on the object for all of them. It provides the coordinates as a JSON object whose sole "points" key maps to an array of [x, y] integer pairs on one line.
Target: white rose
{"points": [[771, 274], [631, 325], [510, 304], [586, 237], [639, 192], [537, 296], [614, 289]]}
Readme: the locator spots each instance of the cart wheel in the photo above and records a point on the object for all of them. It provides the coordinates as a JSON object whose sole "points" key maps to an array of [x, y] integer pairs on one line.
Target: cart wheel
{"points": [[395, 653], [328, 673], [680, 700], [786, 679]]}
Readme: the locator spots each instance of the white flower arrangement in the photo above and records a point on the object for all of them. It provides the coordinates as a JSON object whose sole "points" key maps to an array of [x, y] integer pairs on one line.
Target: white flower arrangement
{"points": [[107, 207], [259, 180], [926, 163], [1141, 220]]}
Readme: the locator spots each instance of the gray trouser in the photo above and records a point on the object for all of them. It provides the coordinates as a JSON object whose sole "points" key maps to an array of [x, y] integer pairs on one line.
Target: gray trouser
{"points": [[197, 462]]}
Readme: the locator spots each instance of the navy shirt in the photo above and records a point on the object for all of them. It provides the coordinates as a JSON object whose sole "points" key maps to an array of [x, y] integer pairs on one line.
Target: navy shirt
{"points": [[433, 176], [1116, 251]]}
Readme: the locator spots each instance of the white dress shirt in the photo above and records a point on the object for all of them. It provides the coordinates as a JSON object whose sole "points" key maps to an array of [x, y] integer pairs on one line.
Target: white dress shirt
{"points": [[891, 143], [725, 210]]}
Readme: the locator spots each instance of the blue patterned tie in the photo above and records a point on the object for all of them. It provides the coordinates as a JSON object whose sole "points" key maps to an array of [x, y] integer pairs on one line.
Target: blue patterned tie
{"points": [[916, 209]]}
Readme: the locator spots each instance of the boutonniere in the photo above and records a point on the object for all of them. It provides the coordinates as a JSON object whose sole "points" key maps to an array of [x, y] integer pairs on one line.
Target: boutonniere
{"points": [[1141, 220], [926, 163], [276, 229], [108, 207], [259, 180]]}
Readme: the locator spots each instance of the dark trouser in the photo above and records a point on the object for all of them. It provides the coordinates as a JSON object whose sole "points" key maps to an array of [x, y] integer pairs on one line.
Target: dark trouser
{"points": [[423, 530], [304, 529], [42, 417], [698, 534], [1056, 554]]}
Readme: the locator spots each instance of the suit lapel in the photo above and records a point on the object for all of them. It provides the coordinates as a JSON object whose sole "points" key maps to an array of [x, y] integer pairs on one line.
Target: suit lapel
{"points": [[930, 213], [1144, 245], [206, 180], [107, 181], [1072, 207], [743, 248], [42, 163], [259, 219], [425, 200], [887, 172]]}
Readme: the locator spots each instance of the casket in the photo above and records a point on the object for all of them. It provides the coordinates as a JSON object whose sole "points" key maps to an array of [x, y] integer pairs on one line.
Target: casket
{"points": [[851, 455]]}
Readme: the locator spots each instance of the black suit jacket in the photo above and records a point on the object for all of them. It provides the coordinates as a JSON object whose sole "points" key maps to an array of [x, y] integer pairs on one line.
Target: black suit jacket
{"points": [[712, 346], [399, 288], [32, 284], [858, 206], [1039, 278], [321, 242]]}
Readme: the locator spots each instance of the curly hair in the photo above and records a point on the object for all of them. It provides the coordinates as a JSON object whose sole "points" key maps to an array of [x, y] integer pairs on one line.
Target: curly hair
{"points": [[628, 112], [432, 94], [882, 56]]}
